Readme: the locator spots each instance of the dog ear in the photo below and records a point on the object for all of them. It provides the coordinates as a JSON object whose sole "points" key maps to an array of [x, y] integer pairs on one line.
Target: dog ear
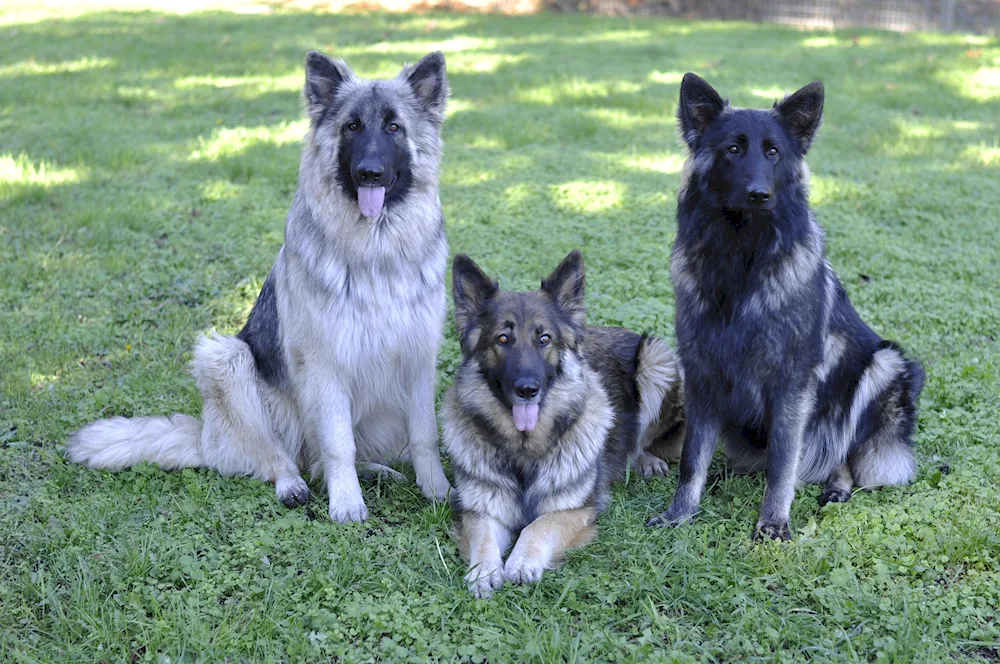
{"points": [[471, 288], [429, 83], [324, 76], [801, 113], [700, 105], [566, 285]]}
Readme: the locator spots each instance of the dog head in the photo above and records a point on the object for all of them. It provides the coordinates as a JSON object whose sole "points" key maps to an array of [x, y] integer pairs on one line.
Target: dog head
{"points": [[520, 339], [747, 155], [381, 138]]}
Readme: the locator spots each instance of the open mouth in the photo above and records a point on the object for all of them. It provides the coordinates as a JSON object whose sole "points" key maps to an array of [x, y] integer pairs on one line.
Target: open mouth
{"points": [[371, 200]]}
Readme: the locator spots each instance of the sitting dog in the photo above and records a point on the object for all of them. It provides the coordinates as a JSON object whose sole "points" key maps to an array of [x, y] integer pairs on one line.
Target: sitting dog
{"points": [[336, 365], [777, 361]]}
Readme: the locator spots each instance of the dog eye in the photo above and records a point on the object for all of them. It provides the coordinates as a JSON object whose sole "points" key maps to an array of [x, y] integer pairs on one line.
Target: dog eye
{"points": [[733, 149], [393, 127], [503, 339], [773, 151], [544, 339], [353, 126]]}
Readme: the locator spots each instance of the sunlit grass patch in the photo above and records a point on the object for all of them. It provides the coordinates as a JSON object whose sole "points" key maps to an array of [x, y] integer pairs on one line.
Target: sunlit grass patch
{"points": [[574, 89], [230, 142], [984, 84], [257, 84], [31, 66], [23, 170], [983, 154], [147, 164], [25, 180], [588, 195]]}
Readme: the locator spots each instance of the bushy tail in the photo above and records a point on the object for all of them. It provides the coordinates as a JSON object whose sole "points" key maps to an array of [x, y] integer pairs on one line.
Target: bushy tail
{"points": [[122, 442], [659, 381]]}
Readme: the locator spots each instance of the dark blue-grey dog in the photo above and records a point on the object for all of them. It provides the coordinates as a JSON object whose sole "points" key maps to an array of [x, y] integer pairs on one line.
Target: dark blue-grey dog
{"points": [[777, 362]]}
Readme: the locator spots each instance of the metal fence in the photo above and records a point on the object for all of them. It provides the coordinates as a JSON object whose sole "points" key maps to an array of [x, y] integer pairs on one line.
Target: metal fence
{"points": [[979, 16], [899, 15]]}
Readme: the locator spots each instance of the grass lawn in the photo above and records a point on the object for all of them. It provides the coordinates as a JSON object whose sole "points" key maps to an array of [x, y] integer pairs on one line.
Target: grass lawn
{"points": [[147, 161]]}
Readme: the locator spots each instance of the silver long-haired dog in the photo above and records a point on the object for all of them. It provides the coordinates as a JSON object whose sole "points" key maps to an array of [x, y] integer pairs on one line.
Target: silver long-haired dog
{"points": [[335, 368]]}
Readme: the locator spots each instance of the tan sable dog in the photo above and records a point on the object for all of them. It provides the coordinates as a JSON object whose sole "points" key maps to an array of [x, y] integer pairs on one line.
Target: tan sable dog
{"points": [[544, 414]]}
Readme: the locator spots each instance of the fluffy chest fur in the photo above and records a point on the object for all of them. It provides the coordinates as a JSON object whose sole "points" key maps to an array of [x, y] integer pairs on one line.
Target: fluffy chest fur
{"points": [[750, 303], [364, 299], [515, 476]]}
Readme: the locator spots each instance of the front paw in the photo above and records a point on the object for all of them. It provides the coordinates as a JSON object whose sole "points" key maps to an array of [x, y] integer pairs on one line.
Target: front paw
{"points": [[773, 531], [482, 583], [292, 491], [651, 465], [834, 495], [435, 488], [523, 570], [674, 516], [347, 511]]}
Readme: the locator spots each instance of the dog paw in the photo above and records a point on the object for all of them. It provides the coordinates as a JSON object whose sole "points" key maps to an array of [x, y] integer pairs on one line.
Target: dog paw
{"points": [[674, 516], [292, 491], [347, 512], [650, 465], [773, 531], [435, 488], [372, 471], [482, 584], [523, 570], [834, 496]]}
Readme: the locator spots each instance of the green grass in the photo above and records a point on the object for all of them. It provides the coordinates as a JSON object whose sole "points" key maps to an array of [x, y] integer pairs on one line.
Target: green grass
{"points": [[147, 161]]}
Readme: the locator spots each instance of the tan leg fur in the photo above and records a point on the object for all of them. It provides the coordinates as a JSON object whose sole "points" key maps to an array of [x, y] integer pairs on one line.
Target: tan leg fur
{"points": [[545, 540]]}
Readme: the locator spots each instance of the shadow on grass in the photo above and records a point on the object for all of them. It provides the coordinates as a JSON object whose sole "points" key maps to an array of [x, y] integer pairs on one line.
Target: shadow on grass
{"points": [[146, 167], [184, 130]]}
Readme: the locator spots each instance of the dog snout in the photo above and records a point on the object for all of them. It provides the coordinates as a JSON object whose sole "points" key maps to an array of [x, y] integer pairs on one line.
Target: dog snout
{"points": [[370, 172], [757, 195], [526, 388]]}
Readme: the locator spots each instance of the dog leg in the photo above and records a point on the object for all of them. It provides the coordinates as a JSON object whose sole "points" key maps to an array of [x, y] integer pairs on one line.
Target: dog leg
{"points": [[838, 486], [701, 437], [328, 421], [292, 491], [249, 429], [544, 541], [887, 394], [784, 449], [484, 540], [423, 435], [289, 486]]}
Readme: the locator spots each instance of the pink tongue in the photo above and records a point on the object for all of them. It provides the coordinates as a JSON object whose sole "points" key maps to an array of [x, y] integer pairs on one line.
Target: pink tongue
{"points": [[370, 200], [525, 416]]}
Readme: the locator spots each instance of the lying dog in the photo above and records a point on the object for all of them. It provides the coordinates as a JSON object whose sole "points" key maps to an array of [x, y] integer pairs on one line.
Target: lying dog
{"points": [[544, 413]]}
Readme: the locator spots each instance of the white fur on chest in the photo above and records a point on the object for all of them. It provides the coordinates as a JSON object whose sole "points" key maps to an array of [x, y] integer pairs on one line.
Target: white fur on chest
{"points": [[367, 306]]}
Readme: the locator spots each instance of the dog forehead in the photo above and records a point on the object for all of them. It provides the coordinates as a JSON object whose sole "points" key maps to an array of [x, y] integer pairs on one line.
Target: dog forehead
{"points": [[374, 100], [525, 310], [750, 122]]}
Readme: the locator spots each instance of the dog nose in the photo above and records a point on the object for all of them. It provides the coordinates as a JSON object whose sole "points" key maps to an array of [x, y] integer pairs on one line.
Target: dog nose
{"points": [[758, 197], [370, 172], [526, 388]]}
